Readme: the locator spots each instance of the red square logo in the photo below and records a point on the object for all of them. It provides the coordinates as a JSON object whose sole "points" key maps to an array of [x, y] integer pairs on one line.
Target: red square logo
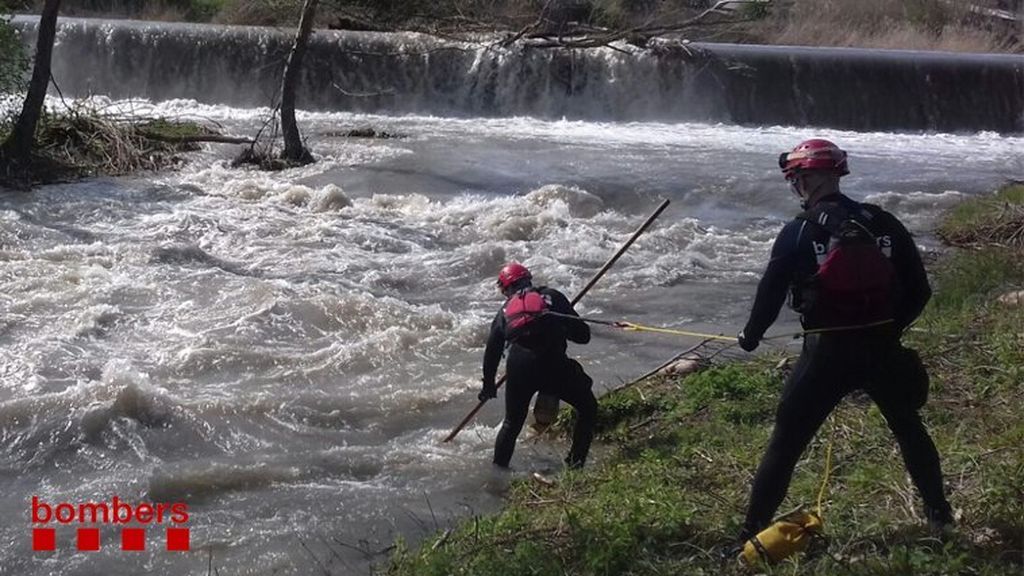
{"points": [[178, 539], [88, 539], [133, 539], [44, 539]]}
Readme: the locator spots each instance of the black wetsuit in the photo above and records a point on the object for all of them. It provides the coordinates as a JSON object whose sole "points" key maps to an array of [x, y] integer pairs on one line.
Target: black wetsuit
{"points": [[832, 365], [540, 364]]}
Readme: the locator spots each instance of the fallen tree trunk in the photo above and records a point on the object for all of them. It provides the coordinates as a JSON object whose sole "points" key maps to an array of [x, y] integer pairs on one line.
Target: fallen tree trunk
{"points": [[191, 139]]}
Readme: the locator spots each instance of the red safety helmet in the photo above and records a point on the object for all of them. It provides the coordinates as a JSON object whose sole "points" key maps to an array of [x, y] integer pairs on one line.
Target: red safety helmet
{"points": [[815, 154], [512, 273]]}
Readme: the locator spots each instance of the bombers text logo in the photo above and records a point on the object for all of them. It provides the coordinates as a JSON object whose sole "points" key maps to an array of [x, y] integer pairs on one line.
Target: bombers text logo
{"points": [[88, 517]]}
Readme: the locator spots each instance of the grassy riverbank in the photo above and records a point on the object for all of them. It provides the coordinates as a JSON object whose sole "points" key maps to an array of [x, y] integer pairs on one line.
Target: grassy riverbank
{"points": [[671, 492]]}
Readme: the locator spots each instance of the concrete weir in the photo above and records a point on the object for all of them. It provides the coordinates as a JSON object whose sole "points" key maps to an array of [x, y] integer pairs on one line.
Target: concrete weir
{"points": [[406, 73]]}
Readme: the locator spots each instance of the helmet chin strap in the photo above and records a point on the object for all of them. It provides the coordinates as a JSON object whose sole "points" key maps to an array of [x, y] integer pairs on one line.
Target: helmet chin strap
{"points": [[806, 199]]}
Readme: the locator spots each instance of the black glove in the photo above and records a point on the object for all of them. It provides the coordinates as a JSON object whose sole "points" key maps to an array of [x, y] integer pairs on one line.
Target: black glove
{"points": [[748, 344], [490, 390]]}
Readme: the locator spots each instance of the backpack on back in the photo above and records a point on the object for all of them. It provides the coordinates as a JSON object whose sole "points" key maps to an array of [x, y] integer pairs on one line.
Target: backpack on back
{"points": [[855, 281], [523, 312]]}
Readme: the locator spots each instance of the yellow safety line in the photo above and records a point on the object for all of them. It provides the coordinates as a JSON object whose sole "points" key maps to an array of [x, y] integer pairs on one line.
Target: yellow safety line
{"points": [[828, 472], [631, 327]]}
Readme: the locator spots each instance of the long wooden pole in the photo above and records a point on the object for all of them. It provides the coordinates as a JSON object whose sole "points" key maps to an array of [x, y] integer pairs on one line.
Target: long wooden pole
{"points": [[583, 292]]}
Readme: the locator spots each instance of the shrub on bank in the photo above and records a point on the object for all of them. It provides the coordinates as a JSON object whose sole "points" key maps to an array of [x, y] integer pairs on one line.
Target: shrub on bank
{"points": [[949, 25], [13, 62], [80, 142], [997, 219]]}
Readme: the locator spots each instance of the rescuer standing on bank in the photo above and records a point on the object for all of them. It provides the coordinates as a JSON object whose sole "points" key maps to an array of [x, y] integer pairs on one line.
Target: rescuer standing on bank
{"points": [[843, 264]]}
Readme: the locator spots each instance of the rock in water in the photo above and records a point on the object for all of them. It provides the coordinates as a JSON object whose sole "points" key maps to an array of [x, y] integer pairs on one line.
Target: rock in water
{"points": [[1012, 298], [681, 367]]}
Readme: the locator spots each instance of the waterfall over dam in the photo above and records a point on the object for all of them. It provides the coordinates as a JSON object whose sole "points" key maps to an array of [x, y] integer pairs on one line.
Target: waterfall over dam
{"points": [[405, 73]]}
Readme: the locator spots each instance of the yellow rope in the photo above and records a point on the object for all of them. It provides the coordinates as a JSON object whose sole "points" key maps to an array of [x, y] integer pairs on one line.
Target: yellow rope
{"points": [[631, 327], [824, 479]]}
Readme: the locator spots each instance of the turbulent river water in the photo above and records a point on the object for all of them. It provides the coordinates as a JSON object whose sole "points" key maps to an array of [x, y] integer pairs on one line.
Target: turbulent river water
{"points": [[283, 351]]}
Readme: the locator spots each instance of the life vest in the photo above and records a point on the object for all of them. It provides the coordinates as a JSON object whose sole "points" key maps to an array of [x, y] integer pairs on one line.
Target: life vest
{"points": [[855, 281], [523, 312]]}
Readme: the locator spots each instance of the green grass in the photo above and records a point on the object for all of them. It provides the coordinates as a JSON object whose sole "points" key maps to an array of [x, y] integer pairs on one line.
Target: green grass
{"points": [[987, 220], [672, 491]]}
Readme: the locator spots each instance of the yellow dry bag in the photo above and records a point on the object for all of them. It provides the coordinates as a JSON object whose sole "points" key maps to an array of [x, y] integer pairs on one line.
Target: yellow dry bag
{"points": [[787, 536]]}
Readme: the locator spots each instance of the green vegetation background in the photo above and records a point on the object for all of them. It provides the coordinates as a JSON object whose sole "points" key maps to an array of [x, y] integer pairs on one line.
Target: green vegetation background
{"points": [[13, 63]]}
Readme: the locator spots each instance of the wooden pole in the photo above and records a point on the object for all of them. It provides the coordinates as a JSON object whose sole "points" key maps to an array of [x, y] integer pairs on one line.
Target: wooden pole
{"points": [[583, 292]]}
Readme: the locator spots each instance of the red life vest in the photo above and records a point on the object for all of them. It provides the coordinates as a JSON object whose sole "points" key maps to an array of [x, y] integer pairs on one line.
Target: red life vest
{"points": [[855, 281], [523, 311]]}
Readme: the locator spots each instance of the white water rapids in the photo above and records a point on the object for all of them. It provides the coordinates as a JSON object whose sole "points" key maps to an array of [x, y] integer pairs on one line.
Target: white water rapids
{"points": [[284, 351]]}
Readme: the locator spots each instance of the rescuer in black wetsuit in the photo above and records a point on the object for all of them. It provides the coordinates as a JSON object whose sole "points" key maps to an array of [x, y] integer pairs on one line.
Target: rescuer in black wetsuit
{"points": [[832, 364], [537, 362]]}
